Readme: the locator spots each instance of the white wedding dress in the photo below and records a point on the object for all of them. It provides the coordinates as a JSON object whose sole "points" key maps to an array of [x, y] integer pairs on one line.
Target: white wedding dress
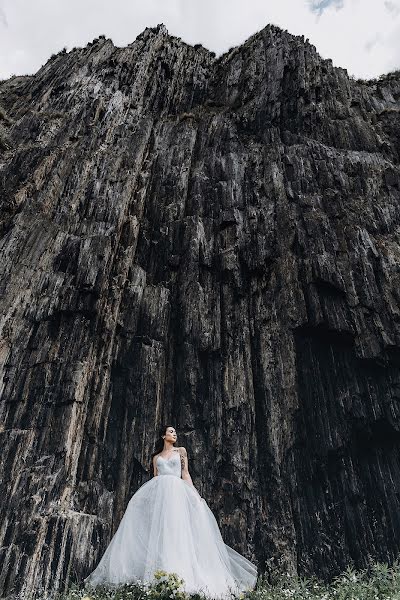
{"points": [[167, 525]]}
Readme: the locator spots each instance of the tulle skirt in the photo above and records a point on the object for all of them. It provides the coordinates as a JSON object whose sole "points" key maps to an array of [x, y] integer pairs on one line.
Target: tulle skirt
{"points": [[168, 526]]}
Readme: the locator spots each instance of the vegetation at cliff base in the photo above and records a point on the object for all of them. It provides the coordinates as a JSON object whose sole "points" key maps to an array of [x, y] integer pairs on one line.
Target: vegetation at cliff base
{"points": [[378, 582]]}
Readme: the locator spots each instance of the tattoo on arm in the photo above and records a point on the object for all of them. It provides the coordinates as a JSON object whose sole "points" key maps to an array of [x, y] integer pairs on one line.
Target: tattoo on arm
{"points": [[183, 454]]}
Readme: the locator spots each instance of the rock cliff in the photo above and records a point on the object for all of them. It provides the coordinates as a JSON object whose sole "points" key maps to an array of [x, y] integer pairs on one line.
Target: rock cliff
{"points": [[213, 243]]}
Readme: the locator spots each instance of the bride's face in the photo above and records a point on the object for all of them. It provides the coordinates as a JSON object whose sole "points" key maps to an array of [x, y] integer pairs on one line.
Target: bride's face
{"points": [[170, 435]]}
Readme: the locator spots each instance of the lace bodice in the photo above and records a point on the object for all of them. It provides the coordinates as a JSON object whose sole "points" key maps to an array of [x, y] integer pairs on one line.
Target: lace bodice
{"points": [[169, 466]]}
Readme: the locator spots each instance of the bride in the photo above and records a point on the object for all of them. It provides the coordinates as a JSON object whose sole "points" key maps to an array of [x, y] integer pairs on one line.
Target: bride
{"points": [[168, 526]]}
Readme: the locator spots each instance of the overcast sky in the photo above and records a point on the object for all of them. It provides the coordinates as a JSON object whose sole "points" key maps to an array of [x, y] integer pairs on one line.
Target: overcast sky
{"points": [[362, 36]]}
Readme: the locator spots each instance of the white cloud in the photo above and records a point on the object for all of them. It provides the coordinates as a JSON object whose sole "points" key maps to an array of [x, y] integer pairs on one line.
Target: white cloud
{"points": [[3, 18], [392, 7], [369, 45], [319, 6], [359, 35]]}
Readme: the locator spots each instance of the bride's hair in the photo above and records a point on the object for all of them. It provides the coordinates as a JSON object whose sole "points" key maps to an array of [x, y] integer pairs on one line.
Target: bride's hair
{"points": [[159, 445]]}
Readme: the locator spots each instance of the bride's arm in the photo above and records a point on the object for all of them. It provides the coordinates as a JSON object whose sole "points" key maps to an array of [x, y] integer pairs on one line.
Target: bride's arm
{"points": [[185, 468], [155, 466]]}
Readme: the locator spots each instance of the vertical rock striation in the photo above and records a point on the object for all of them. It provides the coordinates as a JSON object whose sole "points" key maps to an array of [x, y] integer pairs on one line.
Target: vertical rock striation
{"points": [[213, 243]]}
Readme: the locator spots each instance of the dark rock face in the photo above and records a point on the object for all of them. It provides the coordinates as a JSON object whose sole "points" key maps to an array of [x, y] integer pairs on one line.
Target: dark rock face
{"points": [[215, 244]]}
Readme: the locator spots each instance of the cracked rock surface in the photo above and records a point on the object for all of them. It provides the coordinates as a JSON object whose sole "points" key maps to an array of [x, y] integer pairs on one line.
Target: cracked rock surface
{"points": [[212, 243]]}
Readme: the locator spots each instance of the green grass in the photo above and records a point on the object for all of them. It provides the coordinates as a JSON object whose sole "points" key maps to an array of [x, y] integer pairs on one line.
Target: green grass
{"points": [[378, 582]]}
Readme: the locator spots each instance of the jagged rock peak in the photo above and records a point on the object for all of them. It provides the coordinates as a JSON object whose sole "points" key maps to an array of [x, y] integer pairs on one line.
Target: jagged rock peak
{"points": [[271, 34], [159, 29]]}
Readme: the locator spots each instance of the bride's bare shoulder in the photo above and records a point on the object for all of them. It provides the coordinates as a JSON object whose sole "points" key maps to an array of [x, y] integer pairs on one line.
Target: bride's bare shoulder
{"points": [[182, 449]]}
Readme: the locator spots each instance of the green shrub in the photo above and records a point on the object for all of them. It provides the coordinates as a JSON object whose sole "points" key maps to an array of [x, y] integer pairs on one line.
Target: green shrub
{"points": [[377, 582]]}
